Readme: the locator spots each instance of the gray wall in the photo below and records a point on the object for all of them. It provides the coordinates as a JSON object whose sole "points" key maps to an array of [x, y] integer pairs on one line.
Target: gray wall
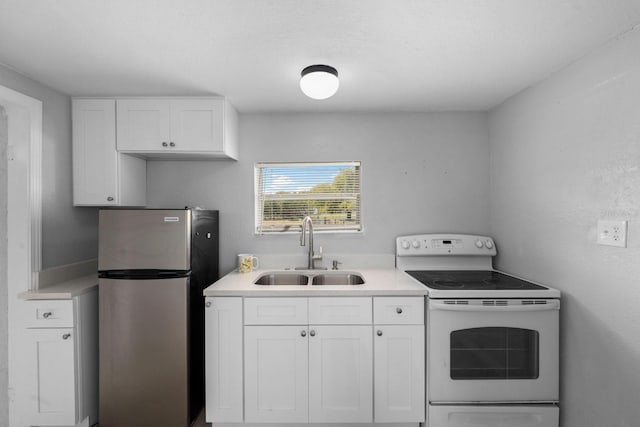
{"points": [[4, 397], [420, 172], [564, 154], [68, 234]]}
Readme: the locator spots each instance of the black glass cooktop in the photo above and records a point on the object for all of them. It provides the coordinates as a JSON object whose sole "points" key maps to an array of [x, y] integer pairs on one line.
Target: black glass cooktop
{"points": [[470, 280]]}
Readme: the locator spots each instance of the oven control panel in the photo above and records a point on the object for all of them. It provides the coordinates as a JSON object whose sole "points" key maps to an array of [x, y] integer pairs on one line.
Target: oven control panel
{"points": [[444, 245]]}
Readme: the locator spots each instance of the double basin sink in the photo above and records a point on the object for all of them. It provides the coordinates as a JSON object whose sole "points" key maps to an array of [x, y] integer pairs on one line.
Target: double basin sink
{"points": [[283, 278]]}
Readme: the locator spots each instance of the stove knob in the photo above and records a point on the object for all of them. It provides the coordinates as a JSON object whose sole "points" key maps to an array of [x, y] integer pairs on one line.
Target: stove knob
{"points": [[415, 244], [489, 244], [405, 244], [479, 244]]}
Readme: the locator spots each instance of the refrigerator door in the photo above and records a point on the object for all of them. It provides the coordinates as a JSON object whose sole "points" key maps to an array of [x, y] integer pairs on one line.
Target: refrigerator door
{"points": [[144, 239], [144, 339]]}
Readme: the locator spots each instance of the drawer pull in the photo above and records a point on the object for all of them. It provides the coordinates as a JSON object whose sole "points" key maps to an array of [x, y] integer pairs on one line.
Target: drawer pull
{"points": [[399, 310], [379, 333], [66, 336], [47, 314]]}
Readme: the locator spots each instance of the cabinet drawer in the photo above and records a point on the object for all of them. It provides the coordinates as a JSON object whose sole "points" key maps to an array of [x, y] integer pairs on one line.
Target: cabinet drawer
{"points": [[398, 310], [340, 311], [275, 311], [49, 313]]}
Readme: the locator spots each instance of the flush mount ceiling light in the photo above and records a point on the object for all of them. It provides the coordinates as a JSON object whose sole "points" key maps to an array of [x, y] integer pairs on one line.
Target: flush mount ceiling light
{"points": [[319, 81]]}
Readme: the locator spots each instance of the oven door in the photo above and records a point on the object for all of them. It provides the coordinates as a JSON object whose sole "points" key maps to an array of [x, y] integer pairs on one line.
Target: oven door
{"points": [[493, 350]]}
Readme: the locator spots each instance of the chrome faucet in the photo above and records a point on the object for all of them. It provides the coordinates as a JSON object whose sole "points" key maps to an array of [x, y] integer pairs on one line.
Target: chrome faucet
{"points": [[307, 223]]}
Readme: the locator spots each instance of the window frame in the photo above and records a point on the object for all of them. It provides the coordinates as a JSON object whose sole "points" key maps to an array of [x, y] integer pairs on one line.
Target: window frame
{"points": [[258, 205]]}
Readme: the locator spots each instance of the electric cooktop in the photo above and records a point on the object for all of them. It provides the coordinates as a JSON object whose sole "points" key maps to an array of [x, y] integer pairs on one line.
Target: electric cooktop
{"points": [[470, 280], [460, 266]]}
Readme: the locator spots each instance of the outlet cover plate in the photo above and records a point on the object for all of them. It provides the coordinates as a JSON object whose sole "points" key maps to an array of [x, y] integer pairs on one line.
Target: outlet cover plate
{"points": [[612, 233]]}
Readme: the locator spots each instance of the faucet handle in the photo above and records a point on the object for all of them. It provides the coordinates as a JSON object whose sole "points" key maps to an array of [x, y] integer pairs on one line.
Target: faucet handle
{"points": [[319, 256], [336, 263]]}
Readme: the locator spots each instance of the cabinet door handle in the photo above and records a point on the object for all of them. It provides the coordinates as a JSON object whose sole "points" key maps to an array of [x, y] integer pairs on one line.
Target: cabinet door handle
{"points": [[207, 304], [171, 144], [379, 333], [66, 336], [109, 199], [47, 314], [312, 333], [303, 333], [164, 144], [399, 310]]}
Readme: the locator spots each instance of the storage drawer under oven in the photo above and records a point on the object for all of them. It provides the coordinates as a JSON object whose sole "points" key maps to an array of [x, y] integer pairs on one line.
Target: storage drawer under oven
{"points": [[490, 416]]}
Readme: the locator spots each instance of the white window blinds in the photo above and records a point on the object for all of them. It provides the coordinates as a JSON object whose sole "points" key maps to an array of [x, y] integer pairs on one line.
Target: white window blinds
{"points": [[287, 192]]}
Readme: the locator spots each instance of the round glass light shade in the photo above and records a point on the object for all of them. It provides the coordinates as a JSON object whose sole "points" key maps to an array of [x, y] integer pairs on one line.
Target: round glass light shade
{"points": [[319, 81]]}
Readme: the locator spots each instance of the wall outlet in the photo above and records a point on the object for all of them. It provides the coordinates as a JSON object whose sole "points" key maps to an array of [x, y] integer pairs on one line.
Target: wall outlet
{"points": [[612, 233]]}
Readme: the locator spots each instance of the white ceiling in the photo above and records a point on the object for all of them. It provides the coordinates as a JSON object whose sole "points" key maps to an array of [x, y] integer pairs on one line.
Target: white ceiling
{"points": [[392, 55]]}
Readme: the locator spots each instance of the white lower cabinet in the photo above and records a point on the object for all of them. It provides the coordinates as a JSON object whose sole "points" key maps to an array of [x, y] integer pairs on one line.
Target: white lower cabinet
{"points": [[61, 354], [399, 373], [223, 363], [313, 360], [399, 355], [276, 381], [340, 374]]}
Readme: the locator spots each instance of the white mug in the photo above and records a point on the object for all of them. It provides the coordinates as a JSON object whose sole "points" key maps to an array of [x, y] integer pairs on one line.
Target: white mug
{"points": [[247, 263]]}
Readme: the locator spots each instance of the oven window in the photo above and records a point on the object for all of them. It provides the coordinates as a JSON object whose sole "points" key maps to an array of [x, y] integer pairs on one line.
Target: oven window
{"points": [[494, 354]]}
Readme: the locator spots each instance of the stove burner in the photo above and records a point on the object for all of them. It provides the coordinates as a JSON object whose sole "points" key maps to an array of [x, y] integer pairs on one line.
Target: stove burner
{"points": [[470, 280], [495, 283], [448, 284]]}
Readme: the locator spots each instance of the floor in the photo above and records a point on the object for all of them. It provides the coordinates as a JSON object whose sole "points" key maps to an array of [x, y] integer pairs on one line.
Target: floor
{"points": [[199, 422]]}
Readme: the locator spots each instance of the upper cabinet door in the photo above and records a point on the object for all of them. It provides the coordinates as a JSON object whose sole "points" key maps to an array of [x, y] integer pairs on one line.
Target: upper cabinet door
{"points": [[144, 125], [95, 160], [197, 125], [178, 128]]}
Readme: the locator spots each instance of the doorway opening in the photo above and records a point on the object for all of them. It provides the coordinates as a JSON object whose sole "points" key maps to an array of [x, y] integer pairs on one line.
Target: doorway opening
{"points": [[20, 232]]}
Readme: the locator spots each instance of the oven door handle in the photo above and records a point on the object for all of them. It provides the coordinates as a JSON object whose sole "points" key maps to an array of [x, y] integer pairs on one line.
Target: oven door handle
{"points": [[441, 305]]}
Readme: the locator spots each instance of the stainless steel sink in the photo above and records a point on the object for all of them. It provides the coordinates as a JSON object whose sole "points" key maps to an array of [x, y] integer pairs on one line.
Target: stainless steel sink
{"points": [[284, 279], [338, 279]]}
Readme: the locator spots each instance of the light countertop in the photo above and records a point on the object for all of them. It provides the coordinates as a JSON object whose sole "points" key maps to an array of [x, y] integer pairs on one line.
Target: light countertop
{"points": [[63, 290], [378, 281]]}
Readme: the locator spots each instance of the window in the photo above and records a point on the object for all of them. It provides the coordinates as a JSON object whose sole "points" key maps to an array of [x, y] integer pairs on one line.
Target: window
{"points": [[495, 353], [327, 192]]}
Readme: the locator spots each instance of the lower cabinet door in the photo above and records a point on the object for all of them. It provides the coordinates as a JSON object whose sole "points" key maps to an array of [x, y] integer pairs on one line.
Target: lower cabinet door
{"points": [[223, 366], [52, 389], [276, 369], [399, 373], [340, 374]]}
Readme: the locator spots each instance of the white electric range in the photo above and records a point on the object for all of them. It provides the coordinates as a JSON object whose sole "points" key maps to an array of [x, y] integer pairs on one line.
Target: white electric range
{"points": [[492, 338]]}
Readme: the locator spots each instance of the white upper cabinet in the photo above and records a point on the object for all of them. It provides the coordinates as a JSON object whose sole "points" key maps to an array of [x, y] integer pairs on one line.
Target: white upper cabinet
{"points": [[101, 175], [144, 124], [177, 127]]}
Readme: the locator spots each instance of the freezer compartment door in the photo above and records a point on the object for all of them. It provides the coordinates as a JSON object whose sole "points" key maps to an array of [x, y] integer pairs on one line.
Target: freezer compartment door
{"points": [[144, 239], [143, 340], [494, 416]]}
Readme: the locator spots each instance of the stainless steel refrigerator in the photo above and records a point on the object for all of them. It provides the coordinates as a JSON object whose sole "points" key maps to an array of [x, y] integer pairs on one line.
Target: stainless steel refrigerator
{"points": [[153, 265]]}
